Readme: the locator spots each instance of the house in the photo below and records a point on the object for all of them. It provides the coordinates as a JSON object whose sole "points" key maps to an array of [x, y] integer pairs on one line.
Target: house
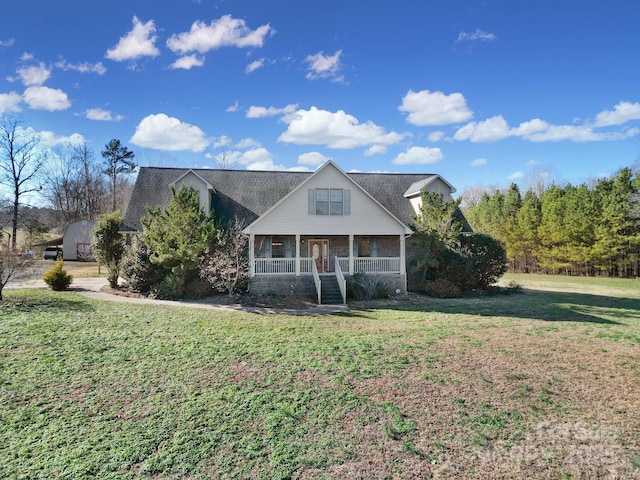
{"points": [[308, 231]]}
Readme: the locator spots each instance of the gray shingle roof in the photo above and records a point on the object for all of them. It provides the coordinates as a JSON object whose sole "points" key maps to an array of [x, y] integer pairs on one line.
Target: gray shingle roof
{"points": [[250, 193]]}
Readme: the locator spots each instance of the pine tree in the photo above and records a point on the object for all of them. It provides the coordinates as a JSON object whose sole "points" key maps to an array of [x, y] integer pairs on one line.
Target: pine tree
{"points": [[178, 236]]}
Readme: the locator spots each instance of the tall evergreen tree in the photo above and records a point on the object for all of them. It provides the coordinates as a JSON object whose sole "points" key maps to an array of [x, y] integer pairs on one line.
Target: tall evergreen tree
{"points": [[178, 236], [118, 161]]}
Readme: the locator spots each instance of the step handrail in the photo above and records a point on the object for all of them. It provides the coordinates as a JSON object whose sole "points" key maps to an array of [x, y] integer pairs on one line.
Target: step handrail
{"points": [[342, 282]]}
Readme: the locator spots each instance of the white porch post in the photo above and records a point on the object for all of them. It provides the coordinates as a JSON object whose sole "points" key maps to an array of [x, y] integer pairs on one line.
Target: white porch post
{"points": [[297, 254], [351, 254], [252, 255], [403, 254]]}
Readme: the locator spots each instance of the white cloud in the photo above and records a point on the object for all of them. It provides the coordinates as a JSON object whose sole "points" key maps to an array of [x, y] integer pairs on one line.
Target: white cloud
{"points": [[9, 42], [49, 139], [233, 108], [253, 66], [139, 42], [248, 143], [34, 75], [436, 136], [478, 162], [515, 176], [224, 32], [312, 159], [375, 150], [222, 142], [418, 156], [262, 112], [490, 130], [583, 133], [324, 66], [623, 112], [10, 102], [475, 36], [45, 98], [187, 62], [253, 159], [335, 130], [161, 132], [526, 129], [537, 130], [85, 67], [435, 108], [101, 115]]}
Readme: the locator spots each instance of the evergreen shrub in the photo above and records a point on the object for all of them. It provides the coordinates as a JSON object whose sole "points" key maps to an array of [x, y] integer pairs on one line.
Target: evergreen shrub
{"points": [[57, 277]]}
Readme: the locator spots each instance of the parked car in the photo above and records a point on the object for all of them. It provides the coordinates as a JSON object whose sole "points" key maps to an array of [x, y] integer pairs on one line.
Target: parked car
{"points": [[52, 253], [27, 254]]}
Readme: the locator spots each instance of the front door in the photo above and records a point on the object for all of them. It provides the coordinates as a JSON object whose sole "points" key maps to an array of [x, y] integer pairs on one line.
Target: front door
{"points": [[319, 251]]}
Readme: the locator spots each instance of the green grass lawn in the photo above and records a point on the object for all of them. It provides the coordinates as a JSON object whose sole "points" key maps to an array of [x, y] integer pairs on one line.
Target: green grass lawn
{"points": [[544, 384]]}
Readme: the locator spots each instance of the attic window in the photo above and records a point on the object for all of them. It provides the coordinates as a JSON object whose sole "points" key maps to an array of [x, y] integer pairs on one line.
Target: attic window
{"points": [[329, 201]]}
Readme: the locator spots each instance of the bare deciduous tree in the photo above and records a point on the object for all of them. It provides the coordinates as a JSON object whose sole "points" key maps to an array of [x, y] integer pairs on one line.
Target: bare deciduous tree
{"points": [[11, 263], [74, 184], [226, 266], [20, 165]]}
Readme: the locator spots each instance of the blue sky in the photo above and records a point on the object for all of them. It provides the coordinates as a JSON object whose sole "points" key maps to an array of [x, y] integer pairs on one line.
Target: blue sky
{"points": [[483, 93]]}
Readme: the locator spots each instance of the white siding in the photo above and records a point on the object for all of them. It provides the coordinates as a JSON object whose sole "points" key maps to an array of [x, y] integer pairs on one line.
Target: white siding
{"points": [[190, 179], [77, 232], [292, 215], [437, 186]]}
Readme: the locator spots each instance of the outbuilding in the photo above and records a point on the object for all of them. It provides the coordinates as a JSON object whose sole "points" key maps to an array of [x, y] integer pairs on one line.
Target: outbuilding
{"points": [[76, 242]]}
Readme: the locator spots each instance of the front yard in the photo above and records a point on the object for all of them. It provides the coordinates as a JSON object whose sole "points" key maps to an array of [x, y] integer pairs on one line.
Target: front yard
{"points": [[541, 385]]}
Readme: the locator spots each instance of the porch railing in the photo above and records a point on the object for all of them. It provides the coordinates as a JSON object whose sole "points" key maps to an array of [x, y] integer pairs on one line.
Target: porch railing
{"points": [[280, 266], [275, 266], [287, 266], [371, 264]]}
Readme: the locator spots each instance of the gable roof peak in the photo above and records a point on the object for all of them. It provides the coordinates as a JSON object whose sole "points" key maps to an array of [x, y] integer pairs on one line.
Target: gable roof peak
{"points": [[199, 177], [416, 188]]}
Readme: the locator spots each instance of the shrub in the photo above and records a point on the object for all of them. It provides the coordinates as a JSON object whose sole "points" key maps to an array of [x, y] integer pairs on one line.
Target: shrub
{"points": [[366, 287], [442, 288], [138, 272], [226, 265], [108, 244], [474, 264], [169, 288], [455, 268], [488, 259], [58, 278]]}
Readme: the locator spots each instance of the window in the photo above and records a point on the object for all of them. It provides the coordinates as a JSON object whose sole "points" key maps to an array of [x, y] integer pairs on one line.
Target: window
{"points": [[367, 247], [322, 201], [363, 247], [277, 249], [336, 202], [329, 201]]}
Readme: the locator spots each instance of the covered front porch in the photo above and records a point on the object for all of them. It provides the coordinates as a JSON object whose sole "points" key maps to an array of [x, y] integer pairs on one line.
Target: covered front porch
{"points": [[319, 263], [296, 254]]}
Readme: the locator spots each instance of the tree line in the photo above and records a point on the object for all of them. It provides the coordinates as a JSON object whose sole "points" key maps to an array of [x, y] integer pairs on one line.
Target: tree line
{"points": [[589, 229]]}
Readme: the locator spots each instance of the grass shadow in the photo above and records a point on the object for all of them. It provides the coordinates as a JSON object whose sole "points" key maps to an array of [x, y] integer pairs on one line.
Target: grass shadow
{"points": [[31, 300], [548, 306]]}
